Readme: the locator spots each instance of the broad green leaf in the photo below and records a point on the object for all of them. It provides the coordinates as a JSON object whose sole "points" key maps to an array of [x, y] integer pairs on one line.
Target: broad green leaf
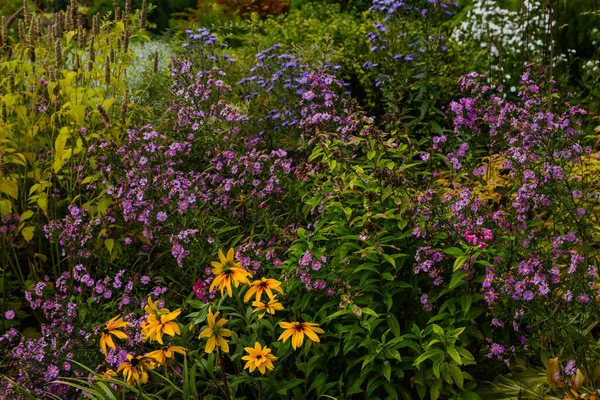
{"points": [[109, 243], [460, 261], [10, 188], [451, 350], [28, 233], [387, 370]]}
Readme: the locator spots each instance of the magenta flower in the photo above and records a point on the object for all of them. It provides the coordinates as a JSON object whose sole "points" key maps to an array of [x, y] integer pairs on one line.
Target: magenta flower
{"points": [[10, 314]]}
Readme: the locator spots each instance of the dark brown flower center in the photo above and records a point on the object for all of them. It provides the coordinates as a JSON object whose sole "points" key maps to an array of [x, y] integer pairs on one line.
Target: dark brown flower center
{"points": [[263, 284], [299, 326], [258, 357], [134, 362], [105, 331]]}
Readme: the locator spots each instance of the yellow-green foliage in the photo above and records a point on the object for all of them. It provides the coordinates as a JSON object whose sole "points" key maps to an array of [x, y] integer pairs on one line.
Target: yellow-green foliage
{"points": [[60, 89]]}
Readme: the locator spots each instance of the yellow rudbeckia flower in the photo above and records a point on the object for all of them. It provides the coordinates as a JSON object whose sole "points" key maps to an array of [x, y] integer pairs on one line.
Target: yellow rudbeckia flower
{"points": [[111, 329], [227, 270], [152, 308], [297, 330], [263, 285], [135, 369], [155, 327], [166, 353], [215, 333], [268, 306], [259, 357]]}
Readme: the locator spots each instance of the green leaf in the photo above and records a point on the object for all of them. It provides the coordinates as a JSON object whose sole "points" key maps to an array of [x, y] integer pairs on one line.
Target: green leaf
{"points": [[369, 312], [454, 251], [389, 259], [26, 215], [434, 391], [451, 350], [339, 313], [319, 382], [394, 354], [28, 233], [460, 261], [456, 375], [388, 301], [9, 188], [109, 243], [387, 370], [393, 325], [368, 359], [5, 207], [387, 276], [465, 301], [438, 330], [457, 278], [428, 354]]}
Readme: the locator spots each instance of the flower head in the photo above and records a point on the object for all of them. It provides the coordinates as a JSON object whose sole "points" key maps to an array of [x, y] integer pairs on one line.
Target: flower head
{"points": [[259, 357], [152, 308], [161, 356], [135, 369], [155, 326], [297, 330], [268, 306], [111, 328], [263, 285], [215, 333], [227, 270]]}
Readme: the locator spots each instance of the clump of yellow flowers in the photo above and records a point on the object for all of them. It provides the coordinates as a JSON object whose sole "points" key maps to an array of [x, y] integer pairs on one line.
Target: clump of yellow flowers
{"points": [[159, 322]]}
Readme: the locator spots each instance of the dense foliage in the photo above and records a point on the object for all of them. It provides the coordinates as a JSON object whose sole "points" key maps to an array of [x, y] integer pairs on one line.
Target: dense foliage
{"points": [[383, 200]]}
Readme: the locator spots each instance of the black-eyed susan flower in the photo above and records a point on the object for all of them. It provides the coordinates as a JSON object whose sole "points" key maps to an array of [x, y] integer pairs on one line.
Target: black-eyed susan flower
{"points": [[109, 374], [259, 357], [135, 369], [297, 330], [155, 327], [111, 329], [161, 356], [215, 333], [263, 285], [152, 308], [227, 270], [265, 306]]}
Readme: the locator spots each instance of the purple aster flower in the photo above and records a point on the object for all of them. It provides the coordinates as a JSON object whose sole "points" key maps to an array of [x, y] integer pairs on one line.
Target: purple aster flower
{"points": [[145, 280], [10, 314], [583, 298], [161, 216], [496, 349], [316, 265], [570, 369]]}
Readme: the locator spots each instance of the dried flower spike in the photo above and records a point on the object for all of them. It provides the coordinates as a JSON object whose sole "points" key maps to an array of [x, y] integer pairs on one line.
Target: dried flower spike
{"points": [[107, 70], [143, 15], [103, 113]]}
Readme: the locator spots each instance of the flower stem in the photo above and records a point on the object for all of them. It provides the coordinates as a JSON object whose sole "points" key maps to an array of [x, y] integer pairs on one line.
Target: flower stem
{"points": [[225, 383]]}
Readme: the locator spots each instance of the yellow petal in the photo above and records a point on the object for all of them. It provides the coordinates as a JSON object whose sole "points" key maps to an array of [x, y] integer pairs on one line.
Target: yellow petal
{"points": [[312, 335], [285, 335], [206, 333], [222, 257], [230, 256], [210, 345], [224, 345]]}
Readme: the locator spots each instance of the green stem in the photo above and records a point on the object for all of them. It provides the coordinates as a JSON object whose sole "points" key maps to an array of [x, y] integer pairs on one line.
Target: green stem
{"points": [[223, 375]]}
